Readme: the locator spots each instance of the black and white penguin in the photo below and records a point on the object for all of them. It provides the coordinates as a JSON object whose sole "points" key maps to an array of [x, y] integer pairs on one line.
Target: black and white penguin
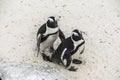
{"points": [[46, 36], [67, 50]]}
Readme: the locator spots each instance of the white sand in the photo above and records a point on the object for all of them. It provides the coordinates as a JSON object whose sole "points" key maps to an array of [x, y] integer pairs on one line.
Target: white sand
{"points": [[98, 19]]}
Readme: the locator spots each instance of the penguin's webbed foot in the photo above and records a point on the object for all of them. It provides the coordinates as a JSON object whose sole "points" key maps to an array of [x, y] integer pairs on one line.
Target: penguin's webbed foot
{"points": [[76, 61], [46, 58], [73, 68]]}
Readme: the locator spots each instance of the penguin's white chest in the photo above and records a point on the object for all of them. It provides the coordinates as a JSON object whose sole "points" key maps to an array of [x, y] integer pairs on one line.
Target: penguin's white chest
{"points": [[48, 42], [76, 55]]}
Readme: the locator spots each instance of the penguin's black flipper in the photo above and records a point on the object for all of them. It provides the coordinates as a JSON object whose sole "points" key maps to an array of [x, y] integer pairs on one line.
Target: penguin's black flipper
{"points": [[61, 35], [40, 33], [41, 30], [38, 43]]}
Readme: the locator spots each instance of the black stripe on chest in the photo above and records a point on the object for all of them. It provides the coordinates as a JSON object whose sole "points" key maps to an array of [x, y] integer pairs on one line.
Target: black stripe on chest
{"points": [[74, 51], [45, 37]]}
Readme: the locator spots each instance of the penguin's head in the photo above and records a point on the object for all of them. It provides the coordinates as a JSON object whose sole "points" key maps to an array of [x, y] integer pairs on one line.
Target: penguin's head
{"points": [[52, 22], [77, 35]]}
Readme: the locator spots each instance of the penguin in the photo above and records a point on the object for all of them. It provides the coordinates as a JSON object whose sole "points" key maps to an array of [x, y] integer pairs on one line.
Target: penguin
{"points": [[46, 36], [67, 49]]}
